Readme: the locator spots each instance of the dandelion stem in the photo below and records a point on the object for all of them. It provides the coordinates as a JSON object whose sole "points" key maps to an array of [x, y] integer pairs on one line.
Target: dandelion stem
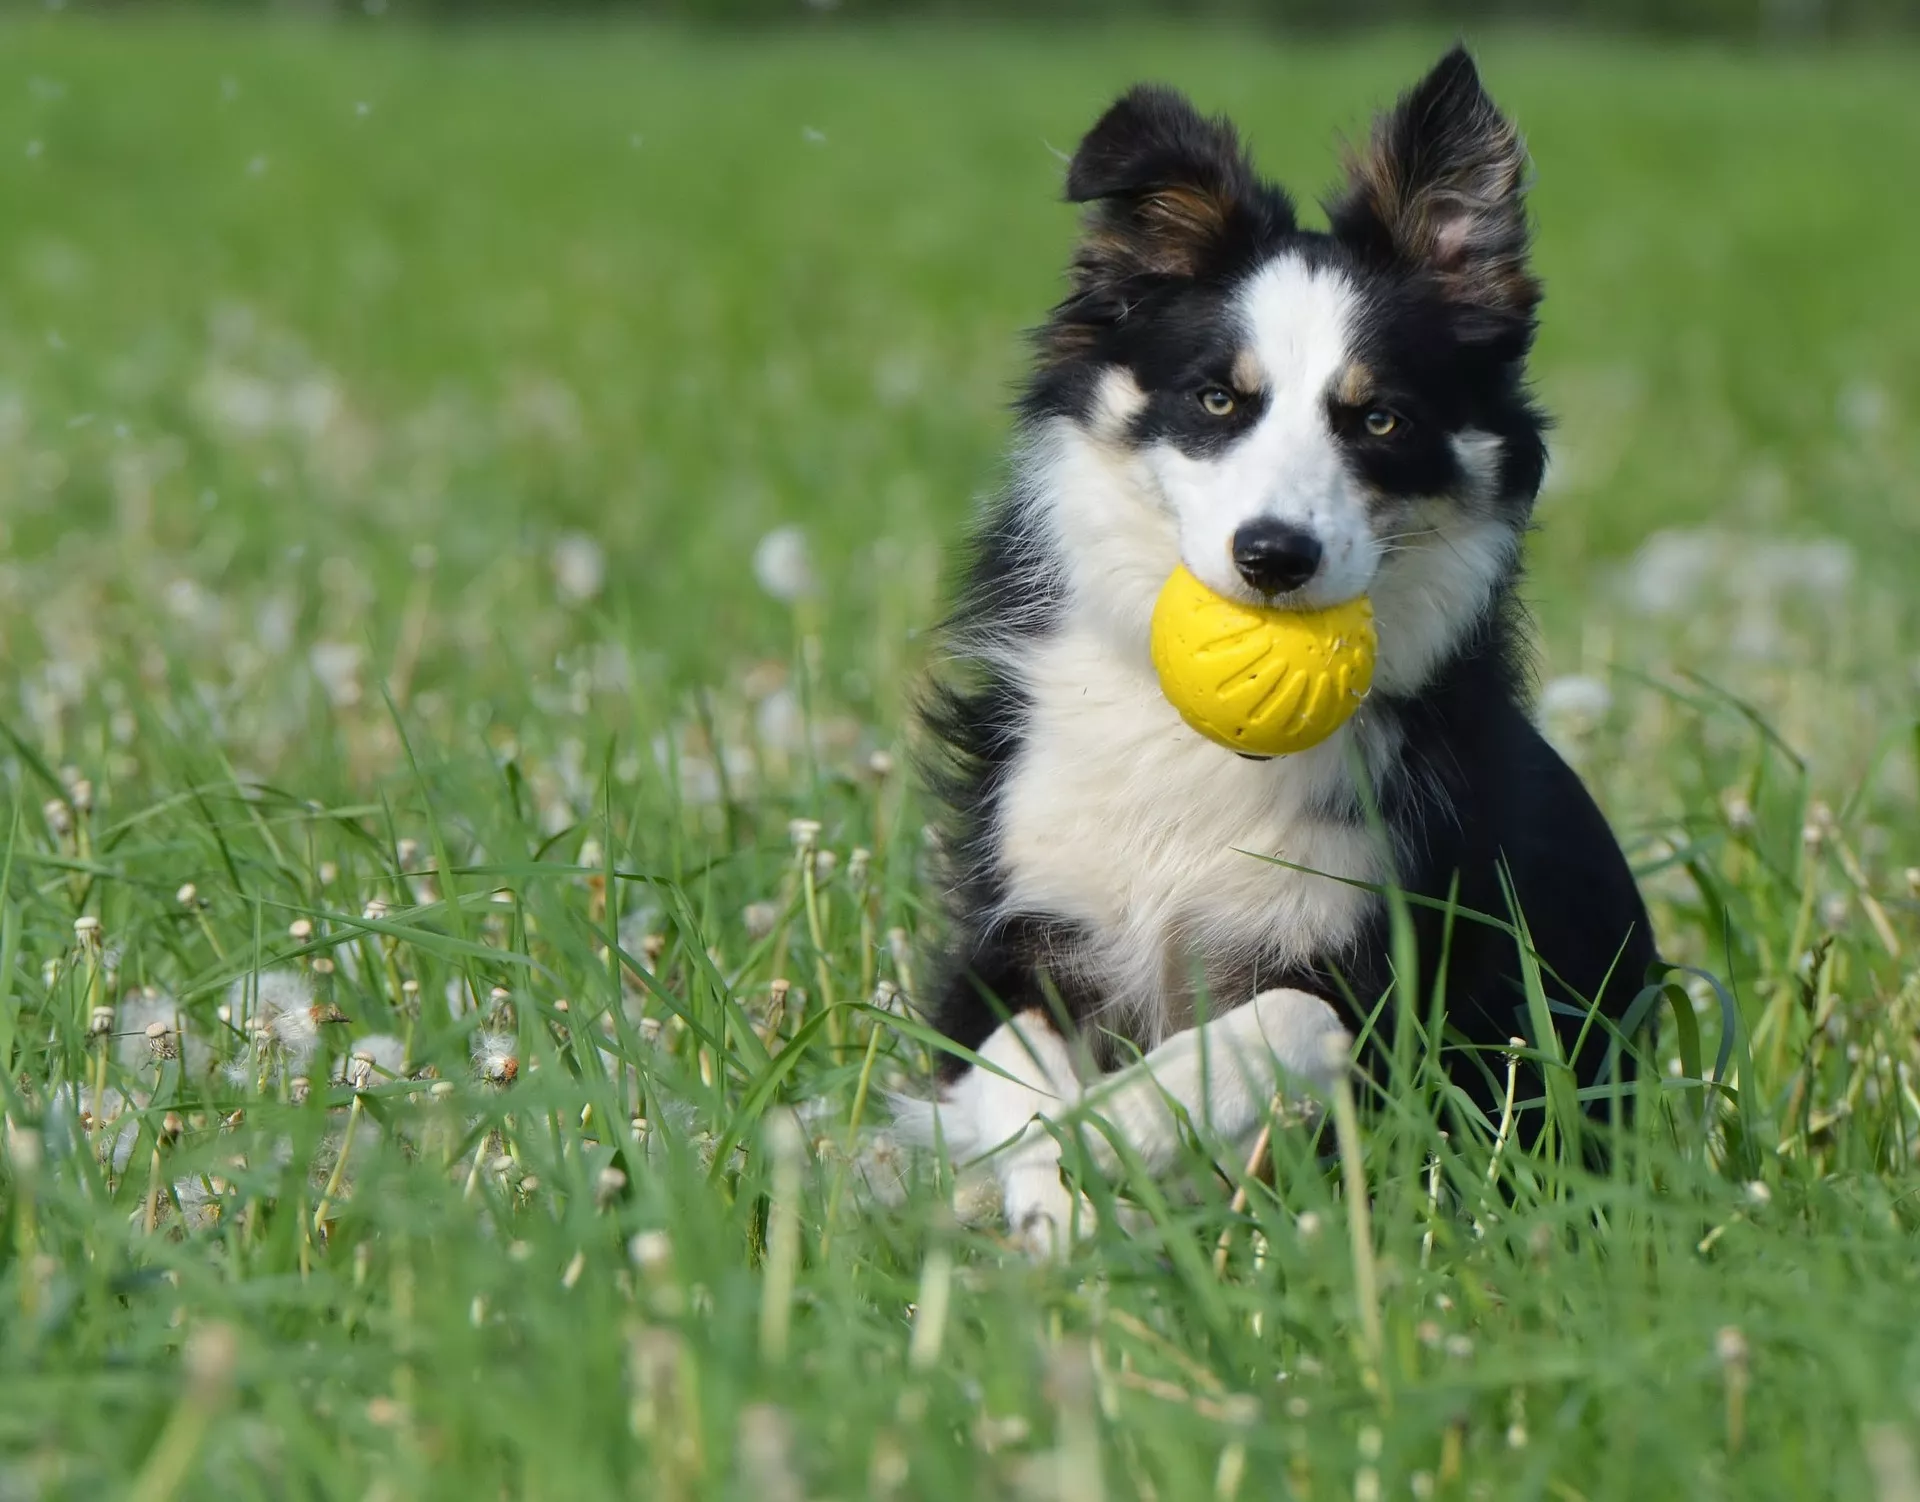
{"points": [[1505, 1132], [209, 1360], [930, 1310], [1256, 1165], [816, 931], [783, 1238], [1433, 1209], [339, 1169], [855, 1117], [1366, 1280], [152, 1217]]}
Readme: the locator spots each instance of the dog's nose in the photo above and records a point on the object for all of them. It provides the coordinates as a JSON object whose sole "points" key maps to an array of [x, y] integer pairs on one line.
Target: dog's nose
{"points": [[1274, 557]]}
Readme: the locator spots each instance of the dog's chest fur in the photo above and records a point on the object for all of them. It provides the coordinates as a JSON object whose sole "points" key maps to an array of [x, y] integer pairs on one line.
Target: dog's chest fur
{"points": [[1116, 815]]}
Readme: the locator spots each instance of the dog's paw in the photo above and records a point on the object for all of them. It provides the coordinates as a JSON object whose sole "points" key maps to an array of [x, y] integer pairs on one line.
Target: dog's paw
{"points": [[1305, 1036], [1043, 1216]]}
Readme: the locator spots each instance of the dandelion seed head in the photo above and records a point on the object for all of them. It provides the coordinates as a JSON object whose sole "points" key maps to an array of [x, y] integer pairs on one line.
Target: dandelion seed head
{"points": [[210, 1355], [282, 1010], [336, 667], [24, 1149], [1574, 704], [579, 567], [783, 565], [160, 1044], [494, 1057]]}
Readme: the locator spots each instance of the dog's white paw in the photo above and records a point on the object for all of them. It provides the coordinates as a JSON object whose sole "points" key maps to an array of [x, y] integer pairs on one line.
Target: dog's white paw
{"points": [[1043, 1216], [1305, 1036]]}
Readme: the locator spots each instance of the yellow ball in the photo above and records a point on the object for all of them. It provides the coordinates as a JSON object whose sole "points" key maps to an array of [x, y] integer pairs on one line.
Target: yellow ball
{"points": [[1263, 681]]}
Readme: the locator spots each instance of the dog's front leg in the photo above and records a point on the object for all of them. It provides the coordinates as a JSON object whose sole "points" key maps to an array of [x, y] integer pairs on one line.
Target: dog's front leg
{"points": [[1003, 1115], [1221, 1076]]}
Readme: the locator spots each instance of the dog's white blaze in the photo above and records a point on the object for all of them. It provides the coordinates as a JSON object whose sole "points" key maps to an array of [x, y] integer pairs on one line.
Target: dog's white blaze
{"points": [[1299, 327]]}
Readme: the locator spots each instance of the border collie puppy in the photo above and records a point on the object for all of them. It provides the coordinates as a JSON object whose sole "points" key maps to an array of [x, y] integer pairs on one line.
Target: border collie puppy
{"points": [[1299, 416]]}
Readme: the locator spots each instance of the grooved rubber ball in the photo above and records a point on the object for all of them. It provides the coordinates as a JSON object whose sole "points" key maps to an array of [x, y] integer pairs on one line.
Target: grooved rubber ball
{"points": [[1262, 681]]}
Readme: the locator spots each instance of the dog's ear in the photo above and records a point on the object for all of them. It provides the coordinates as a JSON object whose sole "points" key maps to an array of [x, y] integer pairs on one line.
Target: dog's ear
{"points": [[1169, 189], [1440, 189]]}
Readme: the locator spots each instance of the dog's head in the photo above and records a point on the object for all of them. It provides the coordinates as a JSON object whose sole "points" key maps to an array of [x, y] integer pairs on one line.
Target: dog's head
{"points": [[1307, 409]]}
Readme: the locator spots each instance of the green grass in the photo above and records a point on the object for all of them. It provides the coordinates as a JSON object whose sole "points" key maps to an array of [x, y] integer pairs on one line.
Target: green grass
{"points": [[316, 344]]}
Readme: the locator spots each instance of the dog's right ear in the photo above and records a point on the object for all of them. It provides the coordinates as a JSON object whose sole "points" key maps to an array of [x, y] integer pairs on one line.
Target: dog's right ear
{"points": [[1169, 188]]}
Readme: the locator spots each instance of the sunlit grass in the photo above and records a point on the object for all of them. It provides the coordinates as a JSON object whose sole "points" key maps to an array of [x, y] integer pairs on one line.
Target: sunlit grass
{"points": [[463, 891]]}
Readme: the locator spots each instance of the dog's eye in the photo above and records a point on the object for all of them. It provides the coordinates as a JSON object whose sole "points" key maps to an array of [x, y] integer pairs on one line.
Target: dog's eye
{"points": [[1217, 401], [1381, 422]]}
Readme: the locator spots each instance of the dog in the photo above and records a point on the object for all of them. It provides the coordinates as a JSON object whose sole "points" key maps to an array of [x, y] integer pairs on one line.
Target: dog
{"points": [[1299, 416]]}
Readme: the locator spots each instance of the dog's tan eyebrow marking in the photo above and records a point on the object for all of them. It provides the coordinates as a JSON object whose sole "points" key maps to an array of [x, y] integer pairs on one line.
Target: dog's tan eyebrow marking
{"points": [[1246, 374], [1354, 386]]}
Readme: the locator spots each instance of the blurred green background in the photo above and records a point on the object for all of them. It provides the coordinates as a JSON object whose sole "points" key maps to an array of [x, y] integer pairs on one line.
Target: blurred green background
{"points": [[286, 304]]}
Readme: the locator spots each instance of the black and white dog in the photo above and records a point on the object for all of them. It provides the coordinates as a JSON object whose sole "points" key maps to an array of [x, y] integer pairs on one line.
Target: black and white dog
{"points": [[1300, 417]]}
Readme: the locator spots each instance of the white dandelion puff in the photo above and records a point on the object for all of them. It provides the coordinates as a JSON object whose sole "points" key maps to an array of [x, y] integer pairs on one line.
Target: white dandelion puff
{"points": [[579, 568], [1577, 694], [139, 1014], [783, 563], [336, 666], [494, 1056], [279, 1007]]}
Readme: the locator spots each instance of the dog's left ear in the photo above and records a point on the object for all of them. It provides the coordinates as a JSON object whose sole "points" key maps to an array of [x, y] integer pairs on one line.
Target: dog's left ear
{"points": [[1440, 190]]}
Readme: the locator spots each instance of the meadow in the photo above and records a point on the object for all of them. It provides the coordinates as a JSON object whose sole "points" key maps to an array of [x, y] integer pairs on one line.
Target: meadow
{"points": [[470, 507]]}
